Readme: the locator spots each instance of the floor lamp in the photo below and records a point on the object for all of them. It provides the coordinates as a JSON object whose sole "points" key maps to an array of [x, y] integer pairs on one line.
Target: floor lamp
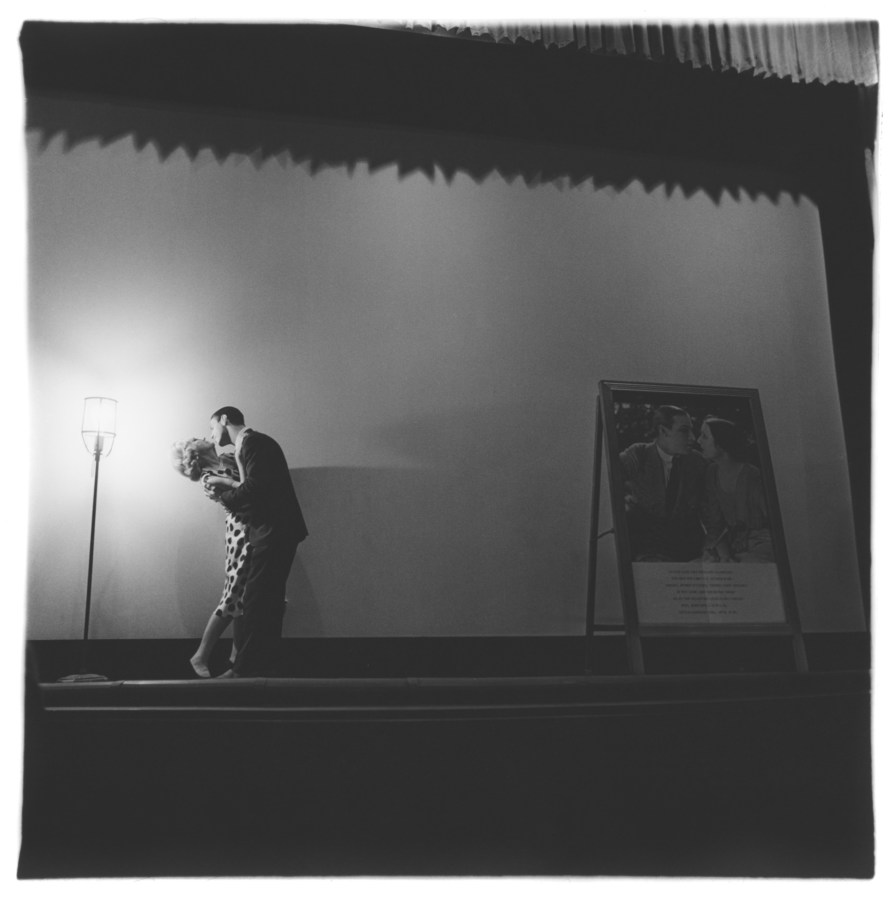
{"points": [[98, 433]]}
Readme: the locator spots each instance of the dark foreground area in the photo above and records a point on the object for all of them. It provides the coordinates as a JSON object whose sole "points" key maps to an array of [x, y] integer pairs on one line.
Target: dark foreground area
{"points": [[740, 774]]}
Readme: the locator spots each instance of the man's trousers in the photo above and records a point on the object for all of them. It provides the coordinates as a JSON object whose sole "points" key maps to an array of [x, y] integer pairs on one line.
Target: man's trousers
{"points": [[256, 633]]}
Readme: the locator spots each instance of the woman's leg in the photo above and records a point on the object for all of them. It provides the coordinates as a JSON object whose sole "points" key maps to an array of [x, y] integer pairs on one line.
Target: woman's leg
{"points": [[215, 627]]}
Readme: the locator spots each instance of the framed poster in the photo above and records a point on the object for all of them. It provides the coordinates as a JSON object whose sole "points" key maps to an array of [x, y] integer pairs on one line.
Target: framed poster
{"points": [[699, 540]]}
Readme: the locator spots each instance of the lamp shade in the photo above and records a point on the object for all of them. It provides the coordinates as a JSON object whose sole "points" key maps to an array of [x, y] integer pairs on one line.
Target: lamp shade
{"points": [[98, 424]]}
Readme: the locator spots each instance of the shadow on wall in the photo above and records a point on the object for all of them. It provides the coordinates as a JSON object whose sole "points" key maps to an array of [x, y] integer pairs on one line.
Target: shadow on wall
{"points": [[412, 151], [483, 531], [303, 616], [487, 535]]}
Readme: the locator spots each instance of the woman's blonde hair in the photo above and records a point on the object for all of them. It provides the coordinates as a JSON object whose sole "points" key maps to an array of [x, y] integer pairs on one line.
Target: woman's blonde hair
{"points": [[194, 457]]}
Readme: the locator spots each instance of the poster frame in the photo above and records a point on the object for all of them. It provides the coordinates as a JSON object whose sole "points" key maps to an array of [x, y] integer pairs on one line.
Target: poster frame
{"points": [[607, 442]]}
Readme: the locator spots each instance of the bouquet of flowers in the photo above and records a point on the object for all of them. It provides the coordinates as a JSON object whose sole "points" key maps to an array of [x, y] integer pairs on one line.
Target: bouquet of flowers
{"points": [[194, 457]]}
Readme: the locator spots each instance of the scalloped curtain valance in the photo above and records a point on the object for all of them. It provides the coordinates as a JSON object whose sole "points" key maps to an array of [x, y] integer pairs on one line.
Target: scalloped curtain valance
{"points": [[815, 51]]}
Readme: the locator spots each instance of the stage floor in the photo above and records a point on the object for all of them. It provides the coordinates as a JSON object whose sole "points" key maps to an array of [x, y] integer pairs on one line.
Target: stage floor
{"points": [[724, 775], [356, 698]]}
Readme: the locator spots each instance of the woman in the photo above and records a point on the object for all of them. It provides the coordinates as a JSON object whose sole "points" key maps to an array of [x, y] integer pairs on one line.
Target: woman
{"points": [[739, 532], [199, 460]]}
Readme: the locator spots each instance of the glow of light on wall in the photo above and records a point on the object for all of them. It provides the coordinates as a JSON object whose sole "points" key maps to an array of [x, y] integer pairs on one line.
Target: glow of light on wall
{"points": [[164, 393]]}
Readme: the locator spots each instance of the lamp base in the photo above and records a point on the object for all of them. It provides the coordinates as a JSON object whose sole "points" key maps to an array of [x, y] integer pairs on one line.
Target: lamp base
{"points": [[81, 677]]}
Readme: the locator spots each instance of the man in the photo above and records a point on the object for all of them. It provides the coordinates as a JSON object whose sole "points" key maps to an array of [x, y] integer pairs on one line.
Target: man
{"points": [[265, 496], [664, 491]]}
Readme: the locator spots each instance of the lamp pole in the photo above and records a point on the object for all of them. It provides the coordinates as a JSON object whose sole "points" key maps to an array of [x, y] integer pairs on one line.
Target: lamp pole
{"points": [[97, 453], [98, 424]]}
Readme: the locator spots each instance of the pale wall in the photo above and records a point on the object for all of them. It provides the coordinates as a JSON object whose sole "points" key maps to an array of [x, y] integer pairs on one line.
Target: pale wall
{"points": [[428, 355]]}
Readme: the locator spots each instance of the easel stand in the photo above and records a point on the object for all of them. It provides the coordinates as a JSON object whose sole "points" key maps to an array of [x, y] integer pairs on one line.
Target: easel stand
{"points": [[606, 443]]}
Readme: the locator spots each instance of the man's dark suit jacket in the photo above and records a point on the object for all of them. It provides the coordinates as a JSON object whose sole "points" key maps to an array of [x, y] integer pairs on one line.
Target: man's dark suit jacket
{"points": [[266, 496], [677, 535]]}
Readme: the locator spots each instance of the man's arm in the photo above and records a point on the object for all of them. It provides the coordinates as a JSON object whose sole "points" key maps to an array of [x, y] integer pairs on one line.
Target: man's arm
{"points": [[716, 547], [251, 491]]}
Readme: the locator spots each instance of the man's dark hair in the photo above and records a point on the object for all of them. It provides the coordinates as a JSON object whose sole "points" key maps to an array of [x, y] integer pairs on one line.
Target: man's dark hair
{"points": [[665, 416], [232, 413]]}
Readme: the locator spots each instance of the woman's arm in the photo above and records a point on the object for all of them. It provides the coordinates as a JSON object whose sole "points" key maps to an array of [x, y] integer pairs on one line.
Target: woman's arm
{"points": [[751, 504], [717, 543], [217, 483]]}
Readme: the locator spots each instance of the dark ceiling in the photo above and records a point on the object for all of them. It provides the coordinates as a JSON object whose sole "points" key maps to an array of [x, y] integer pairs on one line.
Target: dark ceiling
{"points": [[666, 122]]}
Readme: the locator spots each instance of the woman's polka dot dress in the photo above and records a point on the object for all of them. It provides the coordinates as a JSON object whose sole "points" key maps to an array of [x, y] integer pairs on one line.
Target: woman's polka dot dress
{"points": [[236, 562]]}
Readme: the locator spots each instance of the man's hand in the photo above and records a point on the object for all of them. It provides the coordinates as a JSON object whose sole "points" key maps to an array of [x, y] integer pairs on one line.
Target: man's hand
{"points": [[213, 485], [720, 552]]}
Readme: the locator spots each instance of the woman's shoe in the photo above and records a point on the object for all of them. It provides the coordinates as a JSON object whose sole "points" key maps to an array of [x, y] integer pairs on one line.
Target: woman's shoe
{"points": [[201, 669]]}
